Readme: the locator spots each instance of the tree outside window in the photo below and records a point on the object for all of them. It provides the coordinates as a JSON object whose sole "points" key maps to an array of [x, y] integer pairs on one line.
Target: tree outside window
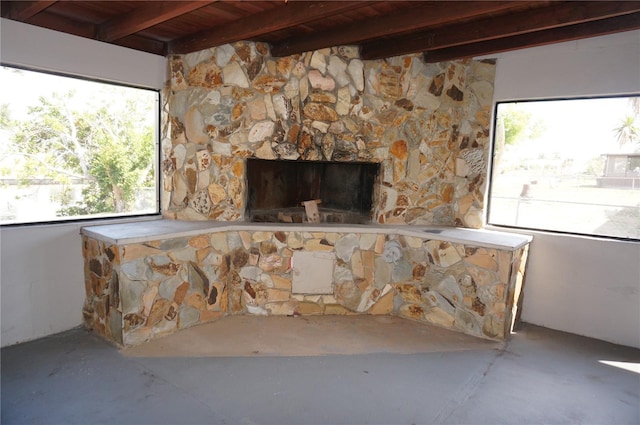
{"points": [[72, 148]]}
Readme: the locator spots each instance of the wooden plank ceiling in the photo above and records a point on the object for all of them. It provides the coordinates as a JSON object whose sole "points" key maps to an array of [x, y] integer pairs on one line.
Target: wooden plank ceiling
{"points": [[442, 30]]}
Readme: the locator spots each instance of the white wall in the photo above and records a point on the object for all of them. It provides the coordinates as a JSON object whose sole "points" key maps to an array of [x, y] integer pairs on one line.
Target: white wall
{"points": [[41, 268], [586, 286], [30, 46]]}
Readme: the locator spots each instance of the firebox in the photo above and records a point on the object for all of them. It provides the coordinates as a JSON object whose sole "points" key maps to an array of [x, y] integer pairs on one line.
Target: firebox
{"points": [[278, 189]]}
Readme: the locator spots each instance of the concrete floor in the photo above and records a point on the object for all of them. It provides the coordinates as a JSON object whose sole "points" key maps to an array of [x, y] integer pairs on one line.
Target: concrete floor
{"points": [[539, 376], [308, 336]]}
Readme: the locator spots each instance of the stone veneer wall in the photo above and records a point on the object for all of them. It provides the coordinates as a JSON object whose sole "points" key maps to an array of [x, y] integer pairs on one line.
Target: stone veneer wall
{"points": [[427, 124], [136, 292]]}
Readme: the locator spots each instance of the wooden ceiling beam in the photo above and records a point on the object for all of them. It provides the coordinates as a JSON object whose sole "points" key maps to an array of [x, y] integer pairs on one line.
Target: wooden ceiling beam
{"points": [[63, 24], [285, 16], [554, 16], [23, 10], [540, 38], [423, 15], [143, 17], [87, 30], [138, 42]]}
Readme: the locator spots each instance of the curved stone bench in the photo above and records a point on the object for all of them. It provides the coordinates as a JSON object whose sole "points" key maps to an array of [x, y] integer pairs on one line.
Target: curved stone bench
{"points": [[147, 279]]}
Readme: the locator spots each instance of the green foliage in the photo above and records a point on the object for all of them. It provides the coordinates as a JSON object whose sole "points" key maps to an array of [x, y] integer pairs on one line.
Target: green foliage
{"points": [[120, 168], [108, 145], [121, 162], [93, 202], [518, 124], [595, 166], [628, 131], [5, 116], [53, 140]]}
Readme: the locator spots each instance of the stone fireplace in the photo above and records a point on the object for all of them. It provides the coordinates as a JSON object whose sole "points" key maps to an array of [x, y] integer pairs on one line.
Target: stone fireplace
{"points": [[395, 150], [426, 125], [276, 190]]}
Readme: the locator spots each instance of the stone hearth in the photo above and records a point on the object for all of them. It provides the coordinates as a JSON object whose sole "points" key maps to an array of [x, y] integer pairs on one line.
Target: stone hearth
{"points": [[144, 280]]}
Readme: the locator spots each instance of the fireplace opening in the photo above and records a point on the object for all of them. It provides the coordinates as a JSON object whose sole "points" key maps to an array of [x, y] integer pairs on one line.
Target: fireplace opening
{"points": [[277, 189]]}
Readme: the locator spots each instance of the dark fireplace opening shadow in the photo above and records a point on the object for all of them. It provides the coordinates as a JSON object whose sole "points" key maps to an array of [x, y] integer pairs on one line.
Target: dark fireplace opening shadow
{"points": [[278, 187]]}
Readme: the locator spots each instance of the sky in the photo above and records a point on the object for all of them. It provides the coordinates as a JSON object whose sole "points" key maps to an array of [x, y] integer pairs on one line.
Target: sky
{"points": [[579, 129], [22, 88]]}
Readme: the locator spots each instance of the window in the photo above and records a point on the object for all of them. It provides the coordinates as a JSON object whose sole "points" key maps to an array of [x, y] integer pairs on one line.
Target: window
{"points": [[75, 149], [568, 166]]}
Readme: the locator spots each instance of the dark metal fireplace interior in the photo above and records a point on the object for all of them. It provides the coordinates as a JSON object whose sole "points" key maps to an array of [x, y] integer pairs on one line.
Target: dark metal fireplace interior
{"points": [[277, 189]]}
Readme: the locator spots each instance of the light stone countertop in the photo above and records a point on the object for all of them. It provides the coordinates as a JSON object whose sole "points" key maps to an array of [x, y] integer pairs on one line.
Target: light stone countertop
{"points": [[145, 231]]}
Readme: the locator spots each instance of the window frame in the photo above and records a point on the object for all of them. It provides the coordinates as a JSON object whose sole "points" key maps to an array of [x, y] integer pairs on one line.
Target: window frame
{"points": [[491, 164], [157, 154]]}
